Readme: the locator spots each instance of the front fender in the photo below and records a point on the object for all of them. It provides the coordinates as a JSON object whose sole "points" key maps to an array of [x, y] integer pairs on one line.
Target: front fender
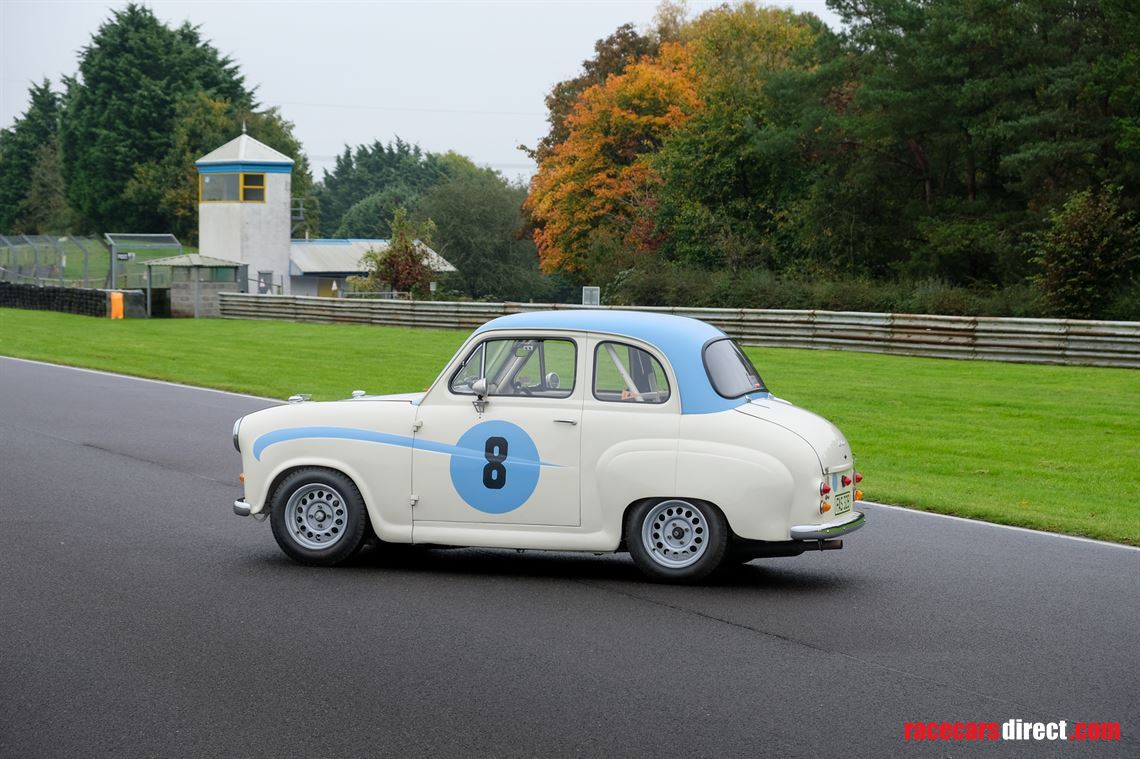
{"points": [[370, 443], [388, 511]]}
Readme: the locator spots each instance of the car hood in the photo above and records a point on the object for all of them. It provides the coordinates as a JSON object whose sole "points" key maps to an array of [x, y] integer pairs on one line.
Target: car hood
{"points": [[412, 398], [823, 436]]}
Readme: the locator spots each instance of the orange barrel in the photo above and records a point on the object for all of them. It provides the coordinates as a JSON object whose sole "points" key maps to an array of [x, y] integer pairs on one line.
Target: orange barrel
{"points": [[116, 305]]}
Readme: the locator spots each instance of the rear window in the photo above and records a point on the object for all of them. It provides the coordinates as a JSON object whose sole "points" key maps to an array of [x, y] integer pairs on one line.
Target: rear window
{"points": [[626, 373], [730, 372]]}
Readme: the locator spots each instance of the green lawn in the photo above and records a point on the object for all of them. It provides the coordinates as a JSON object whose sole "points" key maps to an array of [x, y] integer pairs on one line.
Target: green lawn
{"points": [[1053, 448]]}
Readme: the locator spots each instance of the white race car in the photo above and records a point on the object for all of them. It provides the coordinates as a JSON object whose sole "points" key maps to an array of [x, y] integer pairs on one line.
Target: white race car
{"points": [[581, 430]]}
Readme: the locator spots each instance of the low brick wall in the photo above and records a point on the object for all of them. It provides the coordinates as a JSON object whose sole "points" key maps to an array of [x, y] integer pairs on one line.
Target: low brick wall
{"points": [[182, 298]]}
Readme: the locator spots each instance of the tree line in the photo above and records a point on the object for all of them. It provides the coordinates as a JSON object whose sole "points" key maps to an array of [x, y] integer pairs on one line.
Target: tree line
{"points": [[114, 151], [959, 156], [981, 154]]}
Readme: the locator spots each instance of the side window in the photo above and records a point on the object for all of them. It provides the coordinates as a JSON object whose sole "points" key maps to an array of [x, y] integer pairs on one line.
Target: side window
{"points": [[215, 188], [522, 367], [471, 370], [627, 374]]}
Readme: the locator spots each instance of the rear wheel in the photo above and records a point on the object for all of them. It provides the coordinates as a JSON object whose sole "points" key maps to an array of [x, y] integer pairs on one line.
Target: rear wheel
{"points": [[318, 516], [676, 540]]}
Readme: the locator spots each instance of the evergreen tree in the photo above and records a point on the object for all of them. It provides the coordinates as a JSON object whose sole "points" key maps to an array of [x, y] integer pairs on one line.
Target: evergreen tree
{"points": [[372, 169], [371, 218], [45, 209], [479, 231], [122, 111], [22, 148], [169, 184]]}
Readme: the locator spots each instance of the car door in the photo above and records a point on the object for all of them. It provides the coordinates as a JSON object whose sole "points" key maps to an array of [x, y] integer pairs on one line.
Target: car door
{"points": [[512, 458], [630, 420]]}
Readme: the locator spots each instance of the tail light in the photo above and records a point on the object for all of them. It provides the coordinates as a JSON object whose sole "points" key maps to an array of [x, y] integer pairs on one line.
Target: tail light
{"points": [[846, 480], [824, 488], [858, 477], [824, 507]]}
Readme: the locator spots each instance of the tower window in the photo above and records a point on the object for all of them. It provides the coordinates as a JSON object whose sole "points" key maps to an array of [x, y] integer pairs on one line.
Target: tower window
{"points": [[222, 188], [253, 187], [214, 188]]}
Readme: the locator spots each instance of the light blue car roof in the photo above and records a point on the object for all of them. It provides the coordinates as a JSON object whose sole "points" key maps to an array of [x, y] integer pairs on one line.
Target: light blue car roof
{"points": [[678, 337]]}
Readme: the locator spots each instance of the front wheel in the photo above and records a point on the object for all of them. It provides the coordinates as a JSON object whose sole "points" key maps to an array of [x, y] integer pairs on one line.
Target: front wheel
{"points": [[318, 516], [676, 540]]}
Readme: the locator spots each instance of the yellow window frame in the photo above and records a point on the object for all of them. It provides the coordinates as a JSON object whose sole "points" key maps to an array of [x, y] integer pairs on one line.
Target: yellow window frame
{"points": [[247, 185], [243, 185]]}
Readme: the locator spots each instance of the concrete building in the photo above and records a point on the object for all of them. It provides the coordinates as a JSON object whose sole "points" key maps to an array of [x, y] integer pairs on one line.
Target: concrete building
{"points": [[194, 283], [244, 210], [245, 215]]}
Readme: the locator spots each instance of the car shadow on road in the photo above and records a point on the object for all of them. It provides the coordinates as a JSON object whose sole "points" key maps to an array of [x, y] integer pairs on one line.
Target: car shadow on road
{"points": [[765, 575]]}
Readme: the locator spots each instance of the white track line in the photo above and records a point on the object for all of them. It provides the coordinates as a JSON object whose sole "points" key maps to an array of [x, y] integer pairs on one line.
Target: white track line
{"points": [[977, 522], [140, 379], [980, 523]]}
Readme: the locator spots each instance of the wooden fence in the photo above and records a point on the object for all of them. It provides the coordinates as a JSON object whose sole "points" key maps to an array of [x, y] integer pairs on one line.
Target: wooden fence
{"points": [[1039, 341]]}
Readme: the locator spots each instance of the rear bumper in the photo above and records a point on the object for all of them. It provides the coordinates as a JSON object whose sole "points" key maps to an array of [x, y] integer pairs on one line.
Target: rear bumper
{"points": [[835, 529]]}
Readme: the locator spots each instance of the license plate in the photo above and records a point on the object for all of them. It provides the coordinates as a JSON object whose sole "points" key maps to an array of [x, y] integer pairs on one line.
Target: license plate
{"points": [[842, 503]]}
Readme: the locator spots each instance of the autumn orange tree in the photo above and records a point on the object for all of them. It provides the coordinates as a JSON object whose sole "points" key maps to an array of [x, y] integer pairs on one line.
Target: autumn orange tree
{"points": [[593, 187]]}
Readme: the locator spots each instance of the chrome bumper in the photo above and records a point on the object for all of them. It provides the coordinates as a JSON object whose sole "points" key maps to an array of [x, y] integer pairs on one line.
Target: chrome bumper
{"points": [[241, 508], [828, 530]]}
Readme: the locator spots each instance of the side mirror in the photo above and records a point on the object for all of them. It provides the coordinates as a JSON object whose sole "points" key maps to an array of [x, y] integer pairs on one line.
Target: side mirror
{"points": [[479, 386]]}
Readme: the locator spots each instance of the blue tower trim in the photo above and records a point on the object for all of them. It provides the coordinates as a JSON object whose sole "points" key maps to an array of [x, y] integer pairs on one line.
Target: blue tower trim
{"points": [[249, 167]]}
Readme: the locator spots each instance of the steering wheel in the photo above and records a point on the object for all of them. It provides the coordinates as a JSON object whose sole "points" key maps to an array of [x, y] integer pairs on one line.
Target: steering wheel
{"points": [[520, 388]]}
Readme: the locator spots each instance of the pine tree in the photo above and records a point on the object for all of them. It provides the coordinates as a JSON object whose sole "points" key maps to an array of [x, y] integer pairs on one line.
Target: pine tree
{"points": [[122, 108], [21, 149]]}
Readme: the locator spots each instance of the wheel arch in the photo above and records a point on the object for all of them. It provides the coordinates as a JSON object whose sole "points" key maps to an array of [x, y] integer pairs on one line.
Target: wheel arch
{"points": [[625, 514], [381, 527]]}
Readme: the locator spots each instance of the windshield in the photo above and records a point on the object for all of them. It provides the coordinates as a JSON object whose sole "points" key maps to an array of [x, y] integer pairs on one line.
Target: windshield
{"points": [[730, 372]]}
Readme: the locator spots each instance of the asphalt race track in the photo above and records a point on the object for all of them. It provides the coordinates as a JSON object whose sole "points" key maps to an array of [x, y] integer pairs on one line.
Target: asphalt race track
{"points": [[140, 617]]}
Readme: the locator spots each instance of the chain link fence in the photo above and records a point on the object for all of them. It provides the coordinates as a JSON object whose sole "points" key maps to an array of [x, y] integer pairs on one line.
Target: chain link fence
{"points": [[114, 261], [55, 261]]}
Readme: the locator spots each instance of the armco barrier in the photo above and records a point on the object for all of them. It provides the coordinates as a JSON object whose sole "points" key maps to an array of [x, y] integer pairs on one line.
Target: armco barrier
{"points": [[1038, 341], [71, 300]]}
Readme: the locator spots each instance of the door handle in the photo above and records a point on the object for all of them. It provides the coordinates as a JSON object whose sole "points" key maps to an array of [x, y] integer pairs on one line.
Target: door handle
{"points": [[565, 421]]}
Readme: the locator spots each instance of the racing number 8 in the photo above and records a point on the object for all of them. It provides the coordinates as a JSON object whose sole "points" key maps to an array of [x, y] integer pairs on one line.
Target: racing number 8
{"points": [[495, 474]]}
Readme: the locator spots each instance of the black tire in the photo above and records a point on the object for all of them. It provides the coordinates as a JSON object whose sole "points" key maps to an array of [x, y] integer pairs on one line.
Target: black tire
{"points": [[329, 508], [705, 525]]}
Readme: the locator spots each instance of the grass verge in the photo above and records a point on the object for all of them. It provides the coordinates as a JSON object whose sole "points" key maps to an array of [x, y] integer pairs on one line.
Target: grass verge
{"points": [[1046, 447]]}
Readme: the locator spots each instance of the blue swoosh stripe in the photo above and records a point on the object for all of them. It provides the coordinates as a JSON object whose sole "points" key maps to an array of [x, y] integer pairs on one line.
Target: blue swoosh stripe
{"points": [[369, 436]]}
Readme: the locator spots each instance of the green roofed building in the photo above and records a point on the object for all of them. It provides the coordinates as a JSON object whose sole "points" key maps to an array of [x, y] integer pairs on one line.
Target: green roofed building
{"points": [[194, 282]]}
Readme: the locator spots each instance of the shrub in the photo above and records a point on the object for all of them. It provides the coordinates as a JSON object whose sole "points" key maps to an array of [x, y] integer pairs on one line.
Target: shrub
{"points": [[679, 285], [1086, 251]]}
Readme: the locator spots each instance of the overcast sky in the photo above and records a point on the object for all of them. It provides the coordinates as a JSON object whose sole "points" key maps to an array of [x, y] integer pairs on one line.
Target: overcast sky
{"points": [[467, 75]]}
